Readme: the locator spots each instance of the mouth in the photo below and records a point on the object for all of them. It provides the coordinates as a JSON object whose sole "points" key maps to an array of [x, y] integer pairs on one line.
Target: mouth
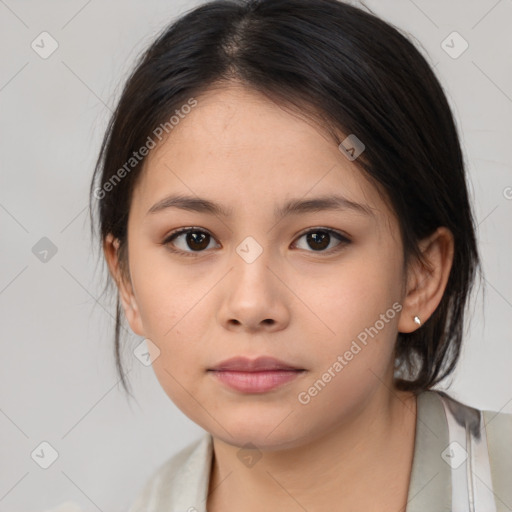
{"points": [[260, 364], [255, 381], [255, 376]]}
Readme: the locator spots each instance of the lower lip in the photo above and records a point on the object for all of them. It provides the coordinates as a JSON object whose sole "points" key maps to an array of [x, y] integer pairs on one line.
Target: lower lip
{"points": [[256, 382]]}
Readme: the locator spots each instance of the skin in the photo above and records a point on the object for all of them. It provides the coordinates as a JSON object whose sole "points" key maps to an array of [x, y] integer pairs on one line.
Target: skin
{"points": [[353, 442]]}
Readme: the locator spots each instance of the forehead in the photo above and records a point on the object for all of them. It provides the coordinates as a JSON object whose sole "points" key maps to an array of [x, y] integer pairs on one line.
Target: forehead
{"points": [[237, 146]]}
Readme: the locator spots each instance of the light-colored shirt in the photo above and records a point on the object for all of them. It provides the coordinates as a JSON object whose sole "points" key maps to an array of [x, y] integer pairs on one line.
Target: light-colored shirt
{"points": [[462, 463]]}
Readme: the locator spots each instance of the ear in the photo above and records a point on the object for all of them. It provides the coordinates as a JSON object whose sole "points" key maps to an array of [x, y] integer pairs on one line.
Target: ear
{"points": [[426, 285], [124, 285]]}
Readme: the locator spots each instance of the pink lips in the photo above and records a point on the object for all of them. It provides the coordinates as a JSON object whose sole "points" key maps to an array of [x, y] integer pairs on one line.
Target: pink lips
{"points": [[255, 376]]}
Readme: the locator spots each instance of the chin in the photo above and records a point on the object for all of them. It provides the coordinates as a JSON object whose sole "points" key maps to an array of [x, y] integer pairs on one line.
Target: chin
{"points": [[266, 433]]}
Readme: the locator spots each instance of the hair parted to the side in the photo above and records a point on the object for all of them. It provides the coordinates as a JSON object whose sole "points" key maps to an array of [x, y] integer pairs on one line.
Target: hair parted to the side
{"points": [[352, 73]]}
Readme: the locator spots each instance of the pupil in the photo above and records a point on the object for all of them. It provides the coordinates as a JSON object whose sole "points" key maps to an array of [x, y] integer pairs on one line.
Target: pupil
{"points": [[315, 239], [192, 238]]}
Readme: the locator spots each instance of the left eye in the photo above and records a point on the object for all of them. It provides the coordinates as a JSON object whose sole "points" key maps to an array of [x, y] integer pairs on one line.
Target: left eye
{"points": [[198, 240], [318, 239]]}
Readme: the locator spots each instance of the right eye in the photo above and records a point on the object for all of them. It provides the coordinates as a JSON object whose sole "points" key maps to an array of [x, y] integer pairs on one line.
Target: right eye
{"points": [[194, 238]]}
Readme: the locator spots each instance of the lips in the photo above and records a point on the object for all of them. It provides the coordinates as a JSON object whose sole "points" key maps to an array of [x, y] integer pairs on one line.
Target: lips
{"points": [[260, 364], [259, 375]]}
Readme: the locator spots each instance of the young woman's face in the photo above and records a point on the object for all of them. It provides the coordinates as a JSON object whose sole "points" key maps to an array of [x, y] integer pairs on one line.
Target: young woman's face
{"points": [[317, 288]]}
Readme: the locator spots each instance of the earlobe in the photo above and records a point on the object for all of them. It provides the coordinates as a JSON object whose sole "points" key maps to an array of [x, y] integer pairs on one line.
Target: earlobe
{"points": [[125, 289], [426, 282]]}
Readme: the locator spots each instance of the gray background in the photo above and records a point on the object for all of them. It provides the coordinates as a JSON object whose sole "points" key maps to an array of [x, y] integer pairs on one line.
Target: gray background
{"points": [[58, 382]]}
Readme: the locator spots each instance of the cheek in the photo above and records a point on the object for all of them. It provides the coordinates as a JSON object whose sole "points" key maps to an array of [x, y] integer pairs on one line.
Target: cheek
{"points": [[355, 293], [358, 304], [172, 315], [166, 293], [350, 365]]}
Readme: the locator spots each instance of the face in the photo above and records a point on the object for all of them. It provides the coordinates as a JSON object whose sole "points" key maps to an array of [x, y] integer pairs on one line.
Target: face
{"points": [[317, 288]]}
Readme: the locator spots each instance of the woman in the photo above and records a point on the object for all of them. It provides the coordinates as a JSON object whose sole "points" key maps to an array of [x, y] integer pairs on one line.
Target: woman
{"points": [[284, 210]]}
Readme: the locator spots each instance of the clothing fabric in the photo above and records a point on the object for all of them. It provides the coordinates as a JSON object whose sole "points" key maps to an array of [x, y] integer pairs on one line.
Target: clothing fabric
{"points": [[462, 463]]}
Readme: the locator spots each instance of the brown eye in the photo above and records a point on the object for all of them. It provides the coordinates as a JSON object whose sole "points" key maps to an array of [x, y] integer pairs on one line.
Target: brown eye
{"points": [[320, 239], [197, 241], [190, 240]]}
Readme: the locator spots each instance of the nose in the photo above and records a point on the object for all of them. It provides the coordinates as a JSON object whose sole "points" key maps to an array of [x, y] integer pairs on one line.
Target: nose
{"points": [[253, 296]]}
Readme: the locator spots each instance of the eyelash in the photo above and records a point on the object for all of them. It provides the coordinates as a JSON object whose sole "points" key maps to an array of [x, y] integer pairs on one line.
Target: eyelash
{"points": [[172, 236]]}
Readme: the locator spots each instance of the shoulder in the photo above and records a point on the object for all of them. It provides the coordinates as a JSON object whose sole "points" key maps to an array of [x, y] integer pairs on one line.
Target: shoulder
{"points": [[182, 478], [494, 420], [498, 421], [498, 427], [495, 428]]}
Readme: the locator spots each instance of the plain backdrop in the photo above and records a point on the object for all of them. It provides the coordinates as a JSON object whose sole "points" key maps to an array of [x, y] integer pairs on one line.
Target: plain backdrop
{"points": [[58, 383]]}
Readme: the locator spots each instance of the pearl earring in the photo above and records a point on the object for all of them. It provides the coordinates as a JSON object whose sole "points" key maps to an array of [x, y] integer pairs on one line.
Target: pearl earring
{"points": [[417, 320]]}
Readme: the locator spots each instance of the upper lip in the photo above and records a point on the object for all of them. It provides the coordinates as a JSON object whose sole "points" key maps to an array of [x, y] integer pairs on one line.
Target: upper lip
{"points": [[245, 364]]}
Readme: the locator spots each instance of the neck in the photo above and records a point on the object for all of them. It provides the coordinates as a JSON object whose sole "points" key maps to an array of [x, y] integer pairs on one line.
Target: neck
{"points": [[347, 468]]}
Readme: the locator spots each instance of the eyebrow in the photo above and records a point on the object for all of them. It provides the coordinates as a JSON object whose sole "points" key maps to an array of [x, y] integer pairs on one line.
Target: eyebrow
{"points": [[292, 207]]}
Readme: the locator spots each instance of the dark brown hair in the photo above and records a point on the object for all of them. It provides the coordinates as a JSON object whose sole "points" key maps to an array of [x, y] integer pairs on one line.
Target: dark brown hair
{"points": [[353, 73]]}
